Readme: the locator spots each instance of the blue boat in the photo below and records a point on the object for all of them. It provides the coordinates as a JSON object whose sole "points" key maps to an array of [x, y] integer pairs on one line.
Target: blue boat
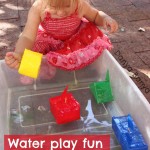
{"points": [[128, 134]]}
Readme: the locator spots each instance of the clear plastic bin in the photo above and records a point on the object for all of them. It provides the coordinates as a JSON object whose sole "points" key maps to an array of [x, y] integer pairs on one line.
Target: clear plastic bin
{"points": [[25, 109]]}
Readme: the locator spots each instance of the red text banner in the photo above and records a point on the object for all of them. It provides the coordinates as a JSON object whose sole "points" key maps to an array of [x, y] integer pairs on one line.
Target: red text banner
{"points": [[56, 142]]}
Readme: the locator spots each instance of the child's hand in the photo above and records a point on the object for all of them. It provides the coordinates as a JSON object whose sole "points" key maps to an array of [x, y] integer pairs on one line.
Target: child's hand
{"points": [[110, 24], [13, 59]]}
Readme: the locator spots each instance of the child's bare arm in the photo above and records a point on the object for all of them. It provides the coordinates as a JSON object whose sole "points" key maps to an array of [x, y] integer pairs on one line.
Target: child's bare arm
{"points": [[99, 17], [26, 39]]}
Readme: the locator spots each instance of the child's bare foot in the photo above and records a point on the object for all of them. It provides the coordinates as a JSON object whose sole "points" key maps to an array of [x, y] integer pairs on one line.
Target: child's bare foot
{"points": [[26, 80]]}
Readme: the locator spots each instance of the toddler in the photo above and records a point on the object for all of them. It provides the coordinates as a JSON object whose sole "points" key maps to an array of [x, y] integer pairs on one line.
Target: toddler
{"points": [[66, 32]]}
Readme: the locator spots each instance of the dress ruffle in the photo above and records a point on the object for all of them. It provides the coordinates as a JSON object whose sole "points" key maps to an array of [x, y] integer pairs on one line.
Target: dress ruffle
{"points": [[80, 58]]}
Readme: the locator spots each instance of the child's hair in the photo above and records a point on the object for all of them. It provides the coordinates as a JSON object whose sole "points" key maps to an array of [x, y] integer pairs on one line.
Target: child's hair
{"points": [[60, 3]]}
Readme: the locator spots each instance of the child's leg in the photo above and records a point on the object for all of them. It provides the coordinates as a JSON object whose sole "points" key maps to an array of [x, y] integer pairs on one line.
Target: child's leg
{"points": [[47, 71]]}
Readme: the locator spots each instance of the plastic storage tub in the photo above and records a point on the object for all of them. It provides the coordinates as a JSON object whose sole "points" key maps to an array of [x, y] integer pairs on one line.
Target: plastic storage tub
{"points": [[25, 109]]}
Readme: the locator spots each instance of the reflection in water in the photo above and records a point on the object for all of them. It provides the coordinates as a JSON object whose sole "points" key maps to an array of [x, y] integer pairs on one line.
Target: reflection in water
{"points": [[25, 108], [16, 116], [91, 119], [41, 108], [34, 85], [75, 78]]}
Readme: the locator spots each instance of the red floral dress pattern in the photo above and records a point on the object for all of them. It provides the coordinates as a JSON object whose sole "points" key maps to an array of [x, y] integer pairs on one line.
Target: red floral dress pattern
{"points": [[70, 43]]}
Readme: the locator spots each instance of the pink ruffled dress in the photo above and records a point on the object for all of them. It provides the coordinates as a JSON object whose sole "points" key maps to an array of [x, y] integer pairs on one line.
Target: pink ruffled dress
{"points": [[70, 43]]}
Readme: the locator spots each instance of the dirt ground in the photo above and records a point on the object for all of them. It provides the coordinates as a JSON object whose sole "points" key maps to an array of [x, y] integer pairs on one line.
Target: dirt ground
{"points": [[131, 46]]}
